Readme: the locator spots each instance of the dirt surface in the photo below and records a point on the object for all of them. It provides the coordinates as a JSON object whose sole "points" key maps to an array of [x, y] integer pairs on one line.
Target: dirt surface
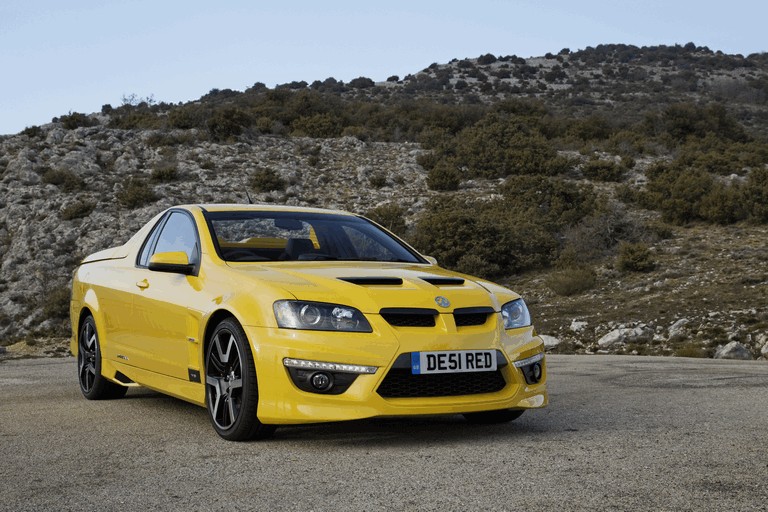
{"points": [[621, 433]]}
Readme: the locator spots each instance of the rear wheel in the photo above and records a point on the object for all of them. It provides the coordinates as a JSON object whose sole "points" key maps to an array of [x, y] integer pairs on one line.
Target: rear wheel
{"points": [[93, 385], [490, 417], [231, 391]]}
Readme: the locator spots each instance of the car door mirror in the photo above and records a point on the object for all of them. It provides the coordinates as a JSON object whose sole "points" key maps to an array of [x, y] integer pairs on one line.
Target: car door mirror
{"points": [[431, 259], [175, 262]]}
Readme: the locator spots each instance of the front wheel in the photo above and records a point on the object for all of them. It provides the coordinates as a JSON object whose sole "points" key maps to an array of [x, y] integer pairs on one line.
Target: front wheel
{"points": [[490, 417], [231, 390], [92, 383]]}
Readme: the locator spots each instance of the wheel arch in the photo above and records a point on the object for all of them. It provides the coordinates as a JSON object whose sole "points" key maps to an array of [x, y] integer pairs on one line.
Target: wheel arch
{"points": [[213, 320]]}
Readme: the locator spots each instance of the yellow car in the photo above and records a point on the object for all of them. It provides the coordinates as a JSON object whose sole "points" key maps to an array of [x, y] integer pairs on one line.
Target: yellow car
{"points": [[280, 315]]}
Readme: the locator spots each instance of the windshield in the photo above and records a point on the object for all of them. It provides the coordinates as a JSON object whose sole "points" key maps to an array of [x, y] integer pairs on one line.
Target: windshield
{"points": [[301, 236]]}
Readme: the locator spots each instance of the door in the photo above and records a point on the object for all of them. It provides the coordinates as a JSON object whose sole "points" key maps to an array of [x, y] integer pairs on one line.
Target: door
{"points": [[161, 317]]}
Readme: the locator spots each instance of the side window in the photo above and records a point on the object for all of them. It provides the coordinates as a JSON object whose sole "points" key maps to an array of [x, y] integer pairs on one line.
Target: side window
{"points": [[179, 234], [149, 243]]}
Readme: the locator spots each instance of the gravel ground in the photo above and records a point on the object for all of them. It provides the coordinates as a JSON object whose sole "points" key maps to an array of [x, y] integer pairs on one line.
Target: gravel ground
{"points": [[621, 433]]}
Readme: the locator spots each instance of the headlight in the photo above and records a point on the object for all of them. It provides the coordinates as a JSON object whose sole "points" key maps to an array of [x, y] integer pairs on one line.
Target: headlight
{"points": [[319, 316], [515, 314]]}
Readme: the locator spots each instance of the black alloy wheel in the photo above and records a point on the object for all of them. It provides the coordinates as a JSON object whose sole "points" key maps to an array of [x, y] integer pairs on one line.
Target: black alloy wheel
{"points": [[92, 383], [231, 391]]}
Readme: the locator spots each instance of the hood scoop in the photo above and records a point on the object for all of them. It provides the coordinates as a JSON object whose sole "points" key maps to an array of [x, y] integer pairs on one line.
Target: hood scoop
{"points": [[373, 281], [442, 281]]}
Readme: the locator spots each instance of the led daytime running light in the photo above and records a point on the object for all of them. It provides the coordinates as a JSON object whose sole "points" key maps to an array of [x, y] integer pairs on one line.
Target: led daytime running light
{"points": [[529, 360], [331, 367]]}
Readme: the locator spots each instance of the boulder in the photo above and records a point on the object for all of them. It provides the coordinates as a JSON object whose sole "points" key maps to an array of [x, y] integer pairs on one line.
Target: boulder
{"points": [[550, 342], [678, 329], [733, 350], [578, 325], [621, 336]]}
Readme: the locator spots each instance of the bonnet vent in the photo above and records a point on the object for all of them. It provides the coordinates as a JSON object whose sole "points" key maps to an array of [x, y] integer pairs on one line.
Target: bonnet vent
{"points": [[373, 281], [443, 281]]}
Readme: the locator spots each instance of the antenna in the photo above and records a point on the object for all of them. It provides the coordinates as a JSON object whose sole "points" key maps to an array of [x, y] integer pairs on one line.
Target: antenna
{"points": [[250, 201]]}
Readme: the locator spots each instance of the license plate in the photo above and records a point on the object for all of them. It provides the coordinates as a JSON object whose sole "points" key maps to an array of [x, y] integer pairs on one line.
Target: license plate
{"points": [[455, 361]]}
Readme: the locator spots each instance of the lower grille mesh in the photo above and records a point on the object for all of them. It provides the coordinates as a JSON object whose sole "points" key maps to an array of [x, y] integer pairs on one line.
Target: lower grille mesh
{"points": [[401, 383]]}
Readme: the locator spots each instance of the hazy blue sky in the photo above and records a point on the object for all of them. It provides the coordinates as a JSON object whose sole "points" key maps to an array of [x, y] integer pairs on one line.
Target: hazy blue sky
{"points": [[76, 55]]}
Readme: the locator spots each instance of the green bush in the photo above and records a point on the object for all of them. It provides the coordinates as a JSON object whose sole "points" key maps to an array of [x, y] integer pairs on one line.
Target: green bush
{"points": [[319, 126], [55, 303], [136, 193], [391, 216], [227, 124], [267, 180], [635, 257], [77, 210], [66, 180], [602, 170], [572, 281], [377, 179], [554, 202], [485, 238], [756, 195], [32, 131], [164, 174], [444, 176], [76, 120]]}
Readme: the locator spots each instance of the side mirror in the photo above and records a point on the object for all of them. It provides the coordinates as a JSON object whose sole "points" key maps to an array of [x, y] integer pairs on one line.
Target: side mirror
{"points": [[431, 260], [175, 262]]}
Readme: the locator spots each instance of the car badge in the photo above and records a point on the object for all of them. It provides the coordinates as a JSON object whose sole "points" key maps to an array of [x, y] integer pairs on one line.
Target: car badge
{"points": [[442, 301]]}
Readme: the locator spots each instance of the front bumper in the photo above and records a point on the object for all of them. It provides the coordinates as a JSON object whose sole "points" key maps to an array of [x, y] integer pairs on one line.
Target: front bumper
{"points": [[281, 401]]}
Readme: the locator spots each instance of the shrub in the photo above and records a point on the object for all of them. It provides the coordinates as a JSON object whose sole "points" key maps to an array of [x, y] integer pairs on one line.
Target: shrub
{"points": [[320, 126], [378, 179], [634, 257], [136, 193], [485, 238], [572, 281], [77, 210], [390, 215], [32, 131], [164, 174], [267, 180], [361, 83], [56, 303], [76, 120], [756, 195], [66, 180], [602, 170], [227, 124], [444, 176], [551, 201]]}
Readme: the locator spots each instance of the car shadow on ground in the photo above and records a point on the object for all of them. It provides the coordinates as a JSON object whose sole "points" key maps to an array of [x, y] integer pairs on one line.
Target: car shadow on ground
{"points": [[372, 432]]}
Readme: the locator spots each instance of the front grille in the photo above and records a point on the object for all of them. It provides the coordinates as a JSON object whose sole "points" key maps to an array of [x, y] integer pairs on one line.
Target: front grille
{"points": [[466, 317], [401, 383], [409, 317]]}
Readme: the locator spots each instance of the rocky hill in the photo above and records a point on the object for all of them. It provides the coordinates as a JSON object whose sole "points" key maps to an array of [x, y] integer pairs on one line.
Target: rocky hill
{"points": [[621, 190]]}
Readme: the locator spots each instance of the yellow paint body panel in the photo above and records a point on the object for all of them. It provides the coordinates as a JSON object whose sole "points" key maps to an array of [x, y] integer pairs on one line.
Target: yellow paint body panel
{"points": [[153, 326]]}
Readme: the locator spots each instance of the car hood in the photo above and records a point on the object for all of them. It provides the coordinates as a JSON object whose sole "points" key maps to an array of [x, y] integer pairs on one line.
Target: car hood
{"points": [[371, 286]]}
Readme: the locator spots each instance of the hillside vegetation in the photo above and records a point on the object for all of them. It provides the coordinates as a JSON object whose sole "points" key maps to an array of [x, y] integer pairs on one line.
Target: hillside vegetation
{"points": [[618, 188]]}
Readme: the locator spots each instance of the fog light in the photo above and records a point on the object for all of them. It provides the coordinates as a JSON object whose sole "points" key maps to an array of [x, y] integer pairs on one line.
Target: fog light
{"points": [[536, 372], [321, 381]]}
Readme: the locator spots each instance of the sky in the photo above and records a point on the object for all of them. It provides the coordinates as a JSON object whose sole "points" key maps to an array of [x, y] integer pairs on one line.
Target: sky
{"points": [[58, 56]]}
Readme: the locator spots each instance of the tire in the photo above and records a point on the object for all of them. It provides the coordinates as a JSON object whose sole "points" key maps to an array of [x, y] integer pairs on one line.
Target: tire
{"points": [[93, 385], [491, 417], [231, 390]]}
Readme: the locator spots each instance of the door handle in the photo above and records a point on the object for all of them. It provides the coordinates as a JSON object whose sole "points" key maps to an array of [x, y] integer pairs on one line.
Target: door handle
{"points": [[143, 284]]}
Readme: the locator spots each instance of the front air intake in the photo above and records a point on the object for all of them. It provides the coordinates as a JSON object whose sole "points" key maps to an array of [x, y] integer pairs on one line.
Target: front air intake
{"points": [[409, 317]]}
